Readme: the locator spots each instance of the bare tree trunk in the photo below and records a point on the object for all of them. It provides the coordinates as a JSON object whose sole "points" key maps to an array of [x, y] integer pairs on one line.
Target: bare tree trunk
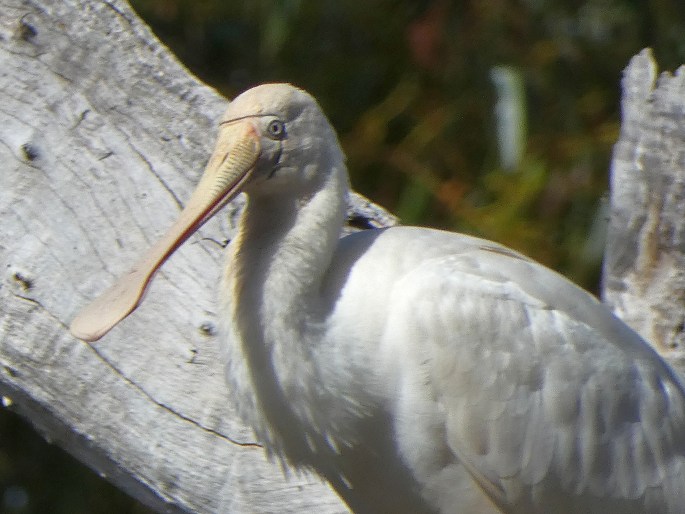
{"points": [[103, 136], [644, 269]]}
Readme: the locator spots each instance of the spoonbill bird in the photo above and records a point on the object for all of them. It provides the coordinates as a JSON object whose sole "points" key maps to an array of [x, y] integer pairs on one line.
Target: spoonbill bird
{"points": [[416, 370]]}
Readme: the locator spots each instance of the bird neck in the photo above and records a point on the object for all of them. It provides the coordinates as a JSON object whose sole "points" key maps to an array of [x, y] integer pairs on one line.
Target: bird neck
{"points": [[271, 295], [285, 245]]}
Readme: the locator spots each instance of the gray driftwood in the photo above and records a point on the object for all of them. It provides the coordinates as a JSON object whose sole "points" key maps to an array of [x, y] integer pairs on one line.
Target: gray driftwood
{"points": [[102, 136], [644, 269]]}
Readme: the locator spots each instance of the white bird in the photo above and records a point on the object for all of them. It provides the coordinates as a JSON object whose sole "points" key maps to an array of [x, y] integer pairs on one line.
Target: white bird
{"points": [[416, 370]]}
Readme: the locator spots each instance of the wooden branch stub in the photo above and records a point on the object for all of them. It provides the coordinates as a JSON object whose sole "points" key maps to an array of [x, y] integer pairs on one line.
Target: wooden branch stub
{"points": [[644, 271]]}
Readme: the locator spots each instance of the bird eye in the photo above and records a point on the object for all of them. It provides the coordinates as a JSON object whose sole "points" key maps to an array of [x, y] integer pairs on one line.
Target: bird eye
{"points": [[276, 129]]}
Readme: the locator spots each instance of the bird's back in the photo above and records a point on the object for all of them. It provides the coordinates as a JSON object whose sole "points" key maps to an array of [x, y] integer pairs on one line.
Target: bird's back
{"points": [[496, 365]]}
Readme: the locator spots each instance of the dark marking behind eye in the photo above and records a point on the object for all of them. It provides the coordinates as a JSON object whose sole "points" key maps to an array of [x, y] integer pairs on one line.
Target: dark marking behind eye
{"points": [[360, 222]]}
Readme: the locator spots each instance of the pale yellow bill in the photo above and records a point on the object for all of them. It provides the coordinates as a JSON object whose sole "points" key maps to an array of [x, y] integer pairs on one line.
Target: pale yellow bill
{"points": [[229, 167]]}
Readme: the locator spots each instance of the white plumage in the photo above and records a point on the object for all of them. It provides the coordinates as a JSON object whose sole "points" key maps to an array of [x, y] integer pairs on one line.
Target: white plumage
{"points": [[416, 370]]}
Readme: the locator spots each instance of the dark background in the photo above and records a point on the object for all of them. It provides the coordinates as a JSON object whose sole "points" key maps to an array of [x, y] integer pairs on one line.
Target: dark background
{"points": [[409, 87]]}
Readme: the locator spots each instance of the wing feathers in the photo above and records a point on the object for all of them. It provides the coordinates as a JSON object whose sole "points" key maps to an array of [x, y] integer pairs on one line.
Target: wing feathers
{"points": [[544, 409]]}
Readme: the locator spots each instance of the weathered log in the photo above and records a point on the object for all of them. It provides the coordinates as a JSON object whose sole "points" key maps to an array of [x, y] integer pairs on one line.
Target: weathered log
{"points": [[644, 268]]}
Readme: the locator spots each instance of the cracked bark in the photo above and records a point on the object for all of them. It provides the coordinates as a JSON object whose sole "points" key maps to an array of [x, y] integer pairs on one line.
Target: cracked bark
{"points": [[103, 134], [644, 268]]}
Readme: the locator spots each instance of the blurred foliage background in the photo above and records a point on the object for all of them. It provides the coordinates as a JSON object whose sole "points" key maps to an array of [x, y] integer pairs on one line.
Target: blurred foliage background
{"points": [[493, 117]]}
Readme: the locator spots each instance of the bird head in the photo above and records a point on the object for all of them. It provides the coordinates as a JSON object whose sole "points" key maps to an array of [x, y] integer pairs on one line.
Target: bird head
{"points": [[292, 133], [266, 139]]}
